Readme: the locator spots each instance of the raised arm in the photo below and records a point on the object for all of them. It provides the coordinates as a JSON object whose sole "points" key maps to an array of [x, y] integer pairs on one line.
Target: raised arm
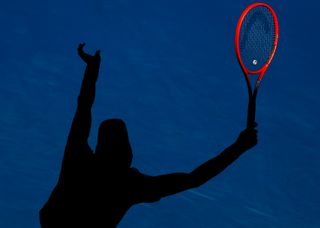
{"points": [[246, 140], [81, 124], [165, 185]]}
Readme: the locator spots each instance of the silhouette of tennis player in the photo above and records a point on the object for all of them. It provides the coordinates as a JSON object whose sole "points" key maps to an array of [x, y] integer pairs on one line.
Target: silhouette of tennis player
{"points": [[97, 189]]}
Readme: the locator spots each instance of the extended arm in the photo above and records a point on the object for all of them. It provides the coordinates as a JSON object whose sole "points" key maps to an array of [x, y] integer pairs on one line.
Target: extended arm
{"points": [[216, 165], [81, 123], [169, 184]]}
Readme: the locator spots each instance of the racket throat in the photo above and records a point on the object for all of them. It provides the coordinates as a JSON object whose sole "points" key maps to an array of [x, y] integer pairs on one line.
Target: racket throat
{"points": [[251, 116]]}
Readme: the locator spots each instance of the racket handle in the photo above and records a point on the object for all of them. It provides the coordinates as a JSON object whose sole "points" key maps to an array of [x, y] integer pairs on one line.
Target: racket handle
{"points": [[251, 117]]}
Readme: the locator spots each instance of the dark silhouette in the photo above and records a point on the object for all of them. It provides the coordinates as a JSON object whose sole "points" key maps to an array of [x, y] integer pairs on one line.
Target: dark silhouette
{"points": [[97, 189]]}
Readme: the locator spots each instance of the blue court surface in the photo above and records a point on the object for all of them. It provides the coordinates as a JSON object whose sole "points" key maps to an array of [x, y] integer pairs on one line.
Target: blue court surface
{"points": [[169, 70]]}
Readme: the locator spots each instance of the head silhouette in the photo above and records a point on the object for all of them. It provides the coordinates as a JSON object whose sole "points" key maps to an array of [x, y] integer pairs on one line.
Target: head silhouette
{"points": [[113, 147]]}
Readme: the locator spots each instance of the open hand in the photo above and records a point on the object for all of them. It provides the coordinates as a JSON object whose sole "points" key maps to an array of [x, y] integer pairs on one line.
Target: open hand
{"points": [[86, 57]]}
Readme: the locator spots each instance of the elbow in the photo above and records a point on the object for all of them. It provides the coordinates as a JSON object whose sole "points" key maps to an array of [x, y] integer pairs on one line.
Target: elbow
{"points": [[195, 181], [84, 102]]}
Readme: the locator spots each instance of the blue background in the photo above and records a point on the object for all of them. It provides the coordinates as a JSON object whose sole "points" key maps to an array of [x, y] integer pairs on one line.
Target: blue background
{"points": [[170, 71]]}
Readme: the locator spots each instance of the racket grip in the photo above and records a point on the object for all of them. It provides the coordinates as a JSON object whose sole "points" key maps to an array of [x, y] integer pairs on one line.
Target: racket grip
{"points": [[251, 117]]}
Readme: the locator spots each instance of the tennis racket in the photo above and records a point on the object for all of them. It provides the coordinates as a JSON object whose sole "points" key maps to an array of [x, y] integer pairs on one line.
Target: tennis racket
{"points": [[256, 41]]}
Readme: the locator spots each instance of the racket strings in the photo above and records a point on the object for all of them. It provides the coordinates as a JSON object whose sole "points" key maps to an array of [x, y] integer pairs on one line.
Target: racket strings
{"points": [[257, 36]]}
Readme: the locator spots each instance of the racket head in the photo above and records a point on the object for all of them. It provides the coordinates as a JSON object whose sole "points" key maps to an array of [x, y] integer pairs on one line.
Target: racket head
{"points": [[256, 38]]}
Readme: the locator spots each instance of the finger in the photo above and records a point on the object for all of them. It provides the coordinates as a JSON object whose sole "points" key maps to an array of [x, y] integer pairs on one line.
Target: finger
{"points": [[80, 47], [253, 134], [97, 52], [249, 133]]}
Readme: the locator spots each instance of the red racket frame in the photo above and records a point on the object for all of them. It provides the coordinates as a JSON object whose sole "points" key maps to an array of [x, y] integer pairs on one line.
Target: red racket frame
{"points": [[261, 72]]}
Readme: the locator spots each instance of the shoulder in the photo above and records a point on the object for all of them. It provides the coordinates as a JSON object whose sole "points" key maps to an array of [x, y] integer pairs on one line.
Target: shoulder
{"points": [[144, 186], [135, 173], [76, 158], [79, 150]]}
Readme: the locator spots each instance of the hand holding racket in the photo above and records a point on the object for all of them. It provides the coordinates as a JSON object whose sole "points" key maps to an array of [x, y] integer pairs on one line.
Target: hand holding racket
{"points": [[256, 41]]}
